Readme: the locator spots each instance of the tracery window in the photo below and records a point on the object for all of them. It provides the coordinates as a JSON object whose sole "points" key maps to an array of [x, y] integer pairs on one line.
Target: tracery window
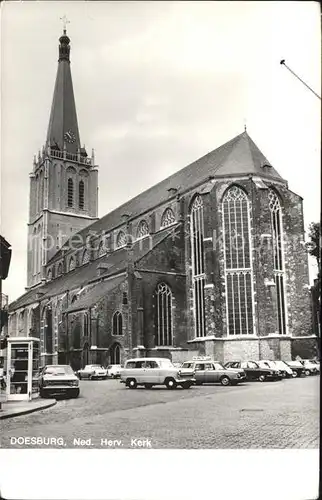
{"points": [[143, 229], [164, 319], [198, 265], [81, 195], [49, 274], [72, 264], [117, 323], [167, 218], [70, 192], [101, 249], [85, 258], [279, 272], [238, 262], [59, 269], [121, 239]]}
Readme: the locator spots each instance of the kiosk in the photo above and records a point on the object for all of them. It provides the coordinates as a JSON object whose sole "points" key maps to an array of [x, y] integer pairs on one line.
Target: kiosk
{"points": [[22, 368]]}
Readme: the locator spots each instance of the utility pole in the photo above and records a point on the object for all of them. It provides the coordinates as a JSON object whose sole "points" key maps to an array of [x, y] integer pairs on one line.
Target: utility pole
{"points": [[282, 62]]}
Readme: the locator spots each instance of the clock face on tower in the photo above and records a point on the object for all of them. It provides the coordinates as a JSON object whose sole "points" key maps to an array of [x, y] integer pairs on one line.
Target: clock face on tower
{"points": [[69, 137]]}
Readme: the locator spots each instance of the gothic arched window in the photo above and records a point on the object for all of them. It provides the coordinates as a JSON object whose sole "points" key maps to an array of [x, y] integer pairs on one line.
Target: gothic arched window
{"points": [[49, 274], [117, 323], [70, 192], [101, 249], [167, 218], [72, 264], [85, 257], [164, 320], [81, 195], [59, 269], [198, 265], [143, 229], [121, 239], [238, 262], [279, 272]]}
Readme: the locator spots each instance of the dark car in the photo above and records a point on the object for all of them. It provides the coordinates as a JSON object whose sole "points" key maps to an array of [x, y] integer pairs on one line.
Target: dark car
{"points": [[254, 371], [58, 380]]}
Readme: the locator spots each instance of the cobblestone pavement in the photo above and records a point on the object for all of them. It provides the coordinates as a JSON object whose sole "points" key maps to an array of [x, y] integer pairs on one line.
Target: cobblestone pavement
{"points": [[281, 414]]}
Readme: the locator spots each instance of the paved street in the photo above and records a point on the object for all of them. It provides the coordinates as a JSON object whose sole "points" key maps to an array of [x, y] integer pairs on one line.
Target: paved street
{"points": [[253, 415]]}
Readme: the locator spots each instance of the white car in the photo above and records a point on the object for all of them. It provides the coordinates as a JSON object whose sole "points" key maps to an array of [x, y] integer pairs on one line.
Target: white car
{"points": [[155, 371], [91, 372], [114, 371], [309, 367]]}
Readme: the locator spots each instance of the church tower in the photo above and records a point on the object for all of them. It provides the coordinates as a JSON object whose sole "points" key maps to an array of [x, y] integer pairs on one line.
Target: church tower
{"points": [[63, 183]]}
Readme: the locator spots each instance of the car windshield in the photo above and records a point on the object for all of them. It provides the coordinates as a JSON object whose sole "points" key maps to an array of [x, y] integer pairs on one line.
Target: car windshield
{"points": [[58, 370], [187, 365]]}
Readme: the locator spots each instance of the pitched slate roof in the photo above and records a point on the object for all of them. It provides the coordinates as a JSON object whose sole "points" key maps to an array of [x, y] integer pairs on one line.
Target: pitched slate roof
{"points": [[238, 156], [96, 293], [117, 262]]}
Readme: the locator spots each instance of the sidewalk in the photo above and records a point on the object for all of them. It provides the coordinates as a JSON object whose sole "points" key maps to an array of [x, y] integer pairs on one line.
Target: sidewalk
{"points": [[16, 408]]}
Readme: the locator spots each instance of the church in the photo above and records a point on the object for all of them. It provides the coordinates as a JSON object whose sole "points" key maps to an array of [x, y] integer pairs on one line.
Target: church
{"points": [[210, 261]]}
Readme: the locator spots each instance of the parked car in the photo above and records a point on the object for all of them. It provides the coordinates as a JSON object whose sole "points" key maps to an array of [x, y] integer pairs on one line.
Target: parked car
{"points": [[114, 371], [309, 367], [207, 372], [254, 371], [317, 363], [296, 367], [155, 371], [285, 370], [92, 372], [58, 380]]}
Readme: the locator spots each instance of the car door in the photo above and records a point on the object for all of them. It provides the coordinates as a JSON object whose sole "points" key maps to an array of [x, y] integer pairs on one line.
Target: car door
{"points": [[152, 372], [211, 374], [248, 370], [200, 372], [255, 370]]}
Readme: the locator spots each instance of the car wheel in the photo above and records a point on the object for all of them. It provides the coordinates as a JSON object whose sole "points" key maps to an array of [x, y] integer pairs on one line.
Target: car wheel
{"points": [[41, 393], [79, 376], [262, 378], [171, 383], [225, 380], [148, 386], [131, 383], [307, 372], [75, 393], [294, 374]]}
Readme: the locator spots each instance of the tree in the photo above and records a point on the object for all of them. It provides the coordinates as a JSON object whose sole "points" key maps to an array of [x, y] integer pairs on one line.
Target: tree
{"points": [[314, 249]]}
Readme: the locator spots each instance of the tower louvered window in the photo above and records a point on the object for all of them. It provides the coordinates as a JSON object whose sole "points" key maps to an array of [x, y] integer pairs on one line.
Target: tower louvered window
{"points": [[164, 320], [279, 274], [70, 192], [238, 262], [198, 265], [167, 218], [81, 195]]}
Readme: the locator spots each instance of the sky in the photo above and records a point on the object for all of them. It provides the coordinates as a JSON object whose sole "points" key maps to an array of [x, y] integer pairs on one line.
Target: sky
{"points": [[158, 85]]}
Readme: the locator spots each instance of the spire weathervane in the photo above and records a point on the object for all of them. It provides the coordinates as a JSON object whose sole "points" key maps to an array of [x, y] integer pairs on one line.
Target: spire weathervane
{"points": [[65, 22]]}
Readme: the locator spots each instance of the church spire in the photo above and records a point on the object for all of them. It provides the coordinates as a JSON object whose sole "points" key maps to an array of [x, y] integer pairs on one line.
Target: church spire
{"points": [[63, 126]]}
